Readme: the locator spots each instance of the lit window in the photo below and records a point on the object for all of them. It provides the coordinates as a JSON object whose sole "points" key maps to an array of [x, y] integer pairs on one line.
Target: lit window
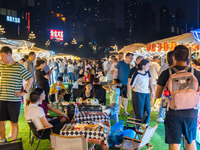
{"points": [[3, 11], [172, 29]]}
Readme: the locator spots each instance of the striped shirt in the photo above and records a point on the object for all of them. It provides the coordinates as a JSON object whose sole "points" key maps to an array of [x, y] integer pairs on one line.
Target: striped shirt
{"points": [[11, 81]]}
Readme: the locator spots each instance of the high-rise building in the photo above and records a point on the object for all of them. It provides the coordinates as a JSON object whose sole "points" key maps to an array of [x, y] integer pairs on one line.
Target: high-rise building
{"points": [[98, 14], [64, 7], [148, 24], [164, 20], [133, 15], [10, 16], [180, 21], [172, 23]]}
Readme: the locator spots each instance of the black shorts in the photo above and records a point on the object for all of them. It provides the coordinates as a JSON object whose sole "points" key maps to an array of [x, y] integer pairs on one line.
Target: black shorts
{"points": [[9, 111], [123, 91], [175, 126], [52, 98]]}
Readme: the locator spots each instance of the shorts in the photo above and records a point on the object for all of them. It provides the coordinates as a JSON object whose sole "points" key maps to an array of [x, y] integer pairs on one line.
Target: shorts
{"points": [[61, 74], [9, 111], [65, 72], [71, 76], [175, 126], [123, 91], [52, 98]]}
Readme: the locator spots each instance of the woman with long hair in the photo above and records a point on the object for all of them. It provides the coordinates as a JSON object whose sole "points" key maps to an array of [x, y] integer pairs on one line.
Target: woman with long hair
{"points": [[141, 83], [42, 77], [88, 91]]}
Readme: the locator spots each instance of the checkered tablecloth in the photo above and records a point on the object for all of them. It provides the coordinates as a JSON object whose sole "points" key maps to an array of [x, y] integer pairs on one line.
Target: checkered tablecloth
{"points": [[91, 117], [99, 133]]}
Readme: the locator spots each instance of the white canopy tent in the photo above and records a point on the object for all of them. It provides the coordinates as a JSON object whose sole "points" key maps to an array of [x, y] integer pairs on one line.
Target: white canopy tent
{"points": [[22, 47]]}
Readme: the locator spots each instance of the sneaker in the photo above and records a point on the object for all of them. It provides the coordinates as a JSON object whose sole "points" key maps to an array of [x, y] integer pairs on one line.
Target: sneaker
{"points": [[3, 141], [118, 146], [9, 135], [160, 120], [122, 107], [126, 114], [118, 113]]}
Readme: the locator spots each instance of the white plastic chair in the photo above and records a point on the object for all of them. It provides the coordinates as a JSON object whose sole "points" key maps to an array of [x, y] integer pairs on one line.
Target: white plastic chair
{"points": [[59, 142]]}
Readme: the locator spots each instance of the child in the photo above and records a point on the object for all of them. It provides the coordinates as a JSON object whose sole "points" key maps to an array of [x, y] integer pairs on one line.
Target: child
{"points": [[114, 90], [61, 94]]}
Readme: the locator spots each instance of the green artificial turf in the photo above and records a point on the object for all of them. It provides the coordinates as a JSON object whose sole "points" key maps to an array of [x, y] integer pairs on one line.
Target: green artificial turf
{"points": [[158, 139]]}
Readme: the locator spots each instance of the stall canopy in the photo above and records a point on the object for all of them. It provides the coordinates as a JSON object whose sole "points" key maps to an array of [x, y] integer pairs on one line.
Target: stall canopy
{"points": [[168, 44], [23, 47], [16, 44], [68, 56], [133, 47]]}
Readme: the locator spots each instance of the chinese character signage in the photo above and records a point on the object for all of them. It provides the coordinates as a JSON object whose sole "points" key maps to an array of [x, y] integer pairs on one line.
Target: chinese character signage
{"points": [[12, 19], [56, 35]]}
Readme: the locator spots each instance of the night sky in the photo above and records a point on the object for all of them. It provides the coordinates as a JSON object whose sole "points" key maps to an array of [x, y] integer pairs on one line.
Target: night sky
{"points": [[188, 5]]}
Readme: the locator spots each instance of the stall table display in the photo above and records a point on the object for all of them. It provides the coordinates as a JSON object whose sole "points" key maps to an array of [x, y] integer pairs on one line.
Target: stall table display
{"points": [[96, 135], [92, 117]]}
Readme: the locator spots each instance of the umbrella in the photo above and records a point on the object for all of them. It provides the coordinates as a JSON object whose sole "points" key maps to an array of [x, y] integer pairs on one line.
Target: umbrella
{"points": [[133, 47]]}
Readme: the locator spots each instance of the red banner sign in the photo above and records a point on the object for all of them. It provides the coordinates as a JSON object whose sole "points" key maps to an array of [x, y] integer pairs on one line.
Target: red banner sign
{"points": [[56, 34], [166, 47], [153, 47], [148, 47], [159, 47]]}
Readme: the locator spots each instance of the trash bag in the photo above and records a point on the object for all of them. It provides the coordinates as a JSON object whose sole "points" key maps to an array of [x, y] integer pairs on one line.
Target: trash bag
{"points": [[114, 135], [128, 133]]}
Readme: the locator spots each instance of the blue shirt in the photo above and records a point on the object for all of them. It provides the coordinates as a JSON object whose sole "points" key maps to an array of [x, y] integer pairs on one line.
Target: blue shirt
{"points": [[123, 72]]}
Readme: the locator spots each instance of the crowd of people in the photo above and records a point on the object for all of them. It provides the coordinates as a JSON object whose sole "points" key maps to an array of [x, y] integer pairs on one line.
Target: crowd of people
{"points": [[43, 85]]}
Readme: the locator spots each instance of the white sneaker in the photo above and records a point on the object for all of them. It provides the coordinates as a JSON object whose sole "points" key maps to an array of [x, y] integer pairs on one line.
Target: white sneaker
{"points": [[126, 114], [3, 141], [118, 146], [160, 120]]}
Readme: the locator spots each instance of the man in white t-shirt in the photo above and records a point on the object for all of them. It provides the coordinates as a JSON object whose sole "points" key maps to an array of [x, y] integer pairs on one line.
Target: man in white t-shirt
{"points": [[61, 66], [107, 71], [105, 63], [70, 71], [36, 113], [80, 81], [154, 70]]}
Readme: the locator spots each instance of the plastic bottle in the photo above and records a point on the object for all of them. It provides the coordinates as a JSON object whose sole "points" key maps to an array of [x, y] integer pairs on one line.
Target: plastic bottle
{"points": [[77, 100], [76, 112]]}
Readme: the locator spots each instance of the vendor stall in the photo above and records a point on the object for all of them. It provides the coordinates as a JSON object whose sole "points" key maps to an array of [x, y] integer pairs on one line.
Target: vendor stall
{"points": [[169, 44], [22, 47], [68, 56]]}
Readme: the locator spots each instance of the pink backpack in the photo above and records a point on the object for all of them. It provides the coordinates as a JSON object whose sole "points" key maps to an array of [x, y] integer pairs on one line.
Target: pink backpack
{"points": [[182, 86]]}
